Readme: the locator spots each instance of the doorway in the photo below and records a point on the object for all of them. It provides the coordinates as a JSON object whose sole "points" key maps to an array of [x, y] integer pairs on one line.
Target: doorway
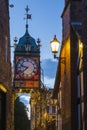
{"points": [[2, 111]]}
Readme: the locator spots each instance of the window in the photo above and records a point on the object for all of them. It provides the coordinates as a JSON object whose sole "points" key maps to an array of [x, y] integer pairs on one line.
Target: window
{"points": [[48, 109], [53, 110]]}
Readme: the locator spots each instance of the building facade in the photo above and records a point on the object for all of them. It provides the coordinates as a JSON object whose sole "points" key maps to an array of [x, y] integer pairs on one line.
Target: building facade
{"points": [[43, 110], [51, 109], [71, 85], [5, 69], [38, 109]]}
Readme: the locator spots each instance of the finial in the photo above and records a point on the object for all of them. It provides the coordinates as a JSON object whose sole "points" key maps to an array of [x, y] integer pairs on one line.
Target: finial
{"points": [[15, 41], [28, 16], [38, 41]]}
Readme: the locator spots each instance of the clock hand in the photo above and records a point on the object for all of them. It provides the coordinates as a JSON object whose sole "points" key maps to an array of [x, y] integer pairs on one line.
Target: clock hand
{"points": [[23, 68]]}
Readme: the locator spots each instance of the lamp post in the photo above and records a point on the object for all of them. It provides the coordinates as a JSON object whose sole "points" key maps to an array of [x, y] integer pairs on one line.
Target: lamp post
{"points": [[55, 44]]}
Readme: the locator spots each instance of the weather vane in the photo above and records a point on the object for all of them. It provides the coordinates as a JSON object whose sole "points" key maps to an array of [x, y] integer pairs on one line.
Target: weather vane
{"points": [[28, 16]]}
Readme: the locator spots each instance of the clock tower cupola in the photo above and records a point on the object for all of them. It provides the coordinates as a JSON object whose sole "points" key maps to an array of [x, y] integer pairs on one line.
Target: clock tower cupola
{"points": [[27, 60]]}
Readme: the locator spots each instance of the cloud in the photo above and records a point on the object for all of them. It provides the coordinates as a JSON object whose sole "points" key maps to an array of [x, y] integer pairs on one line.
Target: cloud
{"points": [[49, 66], [49, 82], [25, 98], [28, 110]]}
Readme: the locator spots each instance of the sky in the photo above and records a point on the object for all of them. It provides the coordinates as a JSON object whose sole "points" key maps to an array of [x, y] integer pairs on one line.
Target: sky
{"points": [[25, 98], [45, 23]]}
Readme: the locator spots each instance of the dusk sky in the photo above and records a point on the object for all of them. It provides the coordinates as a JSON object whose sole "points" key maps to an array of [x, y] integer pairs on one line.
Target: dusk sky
{"points": [[45, 23]]}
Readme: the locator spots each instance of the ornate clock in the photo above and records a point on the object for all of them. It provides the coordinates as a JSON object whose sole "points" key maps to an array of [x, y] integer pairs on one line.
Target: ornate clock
{"points": [[26, 67]]}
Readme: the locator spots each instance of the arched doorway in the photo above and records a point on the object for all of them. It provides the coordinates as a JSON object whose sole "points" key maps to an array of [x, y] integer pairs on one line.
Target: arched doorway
{"points": [[21, 112]]}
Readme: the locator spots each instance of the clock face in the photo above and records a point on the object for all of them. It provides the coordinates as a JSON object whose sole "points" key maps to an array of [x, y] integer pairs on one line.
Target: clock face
{"points": [[26, 67]]}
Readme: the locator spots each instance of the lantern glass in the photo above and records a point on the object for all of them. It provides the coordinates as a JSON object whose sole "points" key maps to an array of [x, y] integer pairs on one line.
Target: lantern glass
{"points": [[54, 45]]}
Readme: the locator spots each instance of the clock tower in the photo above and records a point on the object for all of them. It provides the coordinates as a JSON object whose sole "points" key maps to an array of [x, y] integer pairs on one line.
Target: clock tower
{"points": [[27, 60]]}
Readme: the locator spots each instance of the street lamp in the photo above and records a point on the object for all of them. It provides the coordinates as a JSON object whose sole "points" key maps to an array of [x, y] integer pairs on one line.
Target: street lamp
{"points": [[55, 44]]}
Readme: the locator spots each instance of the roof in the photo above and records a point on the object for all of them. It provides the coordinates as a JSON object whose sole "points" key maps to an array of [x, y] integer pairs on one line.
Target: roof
{"points": [[27, 39], [26, 42]]}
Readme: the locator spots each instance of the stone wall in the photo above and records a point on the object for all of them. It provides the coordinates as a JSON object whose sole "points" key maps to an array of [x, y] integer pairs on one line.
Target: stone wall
{"points": [[5, 65], [72, 18]]}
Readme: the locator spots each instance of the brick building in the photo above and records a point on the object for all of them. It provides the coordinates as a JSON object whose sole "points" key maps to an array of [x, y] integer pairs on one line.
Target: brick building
{"points": [[71, 81], [5, 69]]}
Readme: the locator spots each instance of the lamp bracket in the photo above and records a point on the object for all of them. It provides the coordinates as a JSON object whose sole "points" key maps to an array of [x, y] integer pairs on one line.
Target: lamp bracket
{"points": [[61, 59]]}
